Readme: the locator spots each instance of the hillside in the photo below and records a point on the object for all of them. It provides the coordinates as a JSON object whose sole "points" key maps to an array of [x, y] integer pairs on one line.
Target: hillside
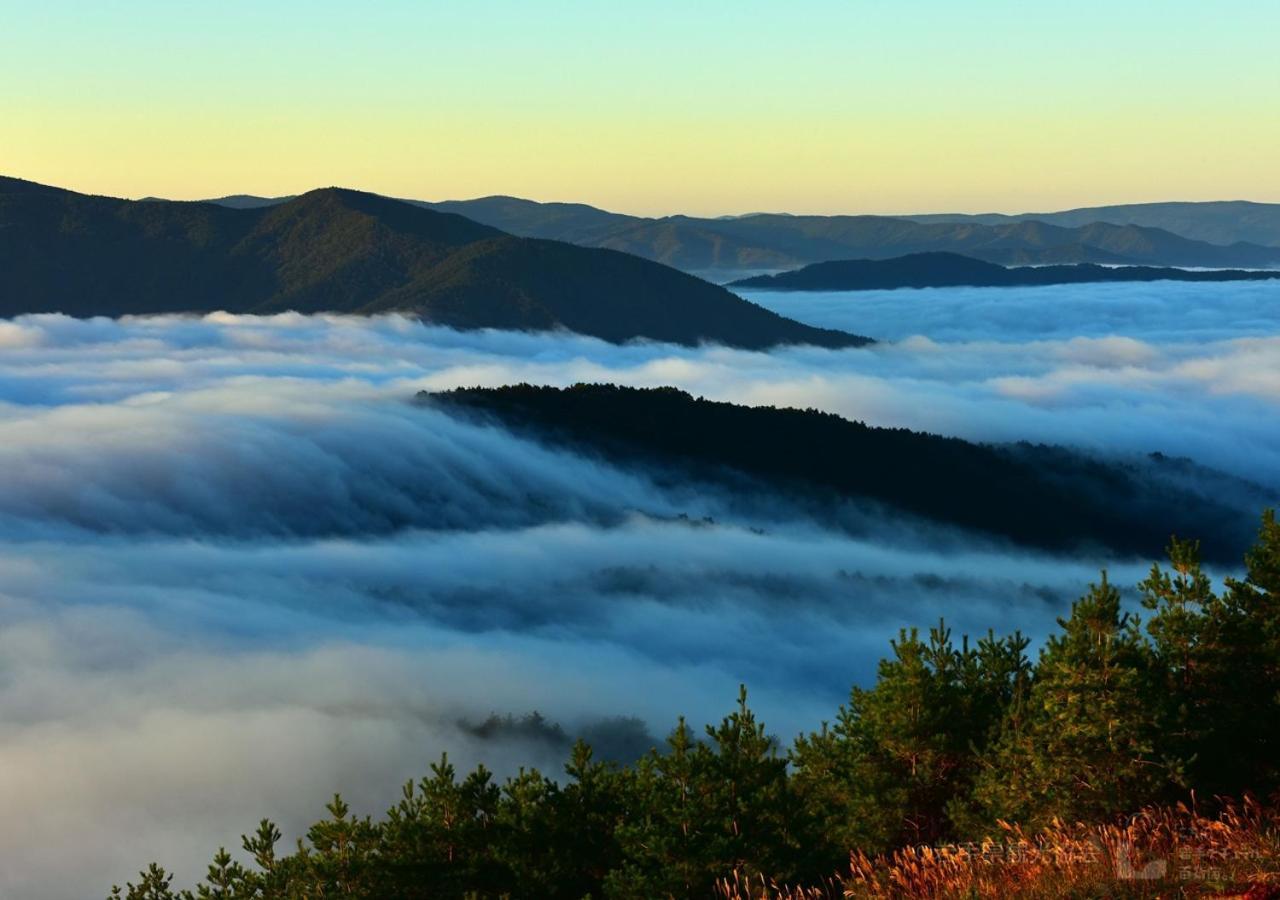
{"points": [[1222, 222], [774, 241], [818, 461], [1153, 234], [918, 270], [336, 250]]}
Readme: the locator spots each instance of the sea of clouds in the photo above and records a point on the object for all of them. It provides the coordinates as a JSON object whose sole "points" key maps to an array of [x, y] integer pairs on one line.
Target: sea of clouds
{"points": [[240, 570]]}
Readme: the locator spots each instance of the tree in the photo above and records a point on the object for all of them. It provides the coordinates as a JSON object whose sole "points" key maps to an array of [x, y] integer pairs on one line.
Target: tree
{"points": [[1249, 632], [901, 754], [153, 884], [703, 809], [753, 812], [665, 841], [1186, 639], [343, 853], [1085, 746], [437, 841], [591, 807]]}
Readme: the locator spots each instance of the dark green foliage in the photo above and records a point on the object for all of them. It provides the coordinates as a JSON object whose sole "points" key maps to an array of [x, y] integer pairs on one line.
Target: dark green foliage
{"points": [[336, 250], [1084, 748], [900, 755], [820, 460], [950, 739], [1220, 659]]}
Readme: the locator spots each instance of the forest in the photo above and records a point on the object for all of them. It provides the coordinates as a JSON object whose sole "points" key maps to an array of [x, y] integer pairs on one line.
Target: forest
{"points": [[1156, 709], [820, 462]]}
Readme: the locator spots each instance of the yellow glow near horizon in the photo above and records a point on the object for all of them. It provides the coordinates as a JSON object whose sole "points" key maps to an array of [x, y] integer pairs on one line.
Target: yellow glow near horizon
{"points": [[906, 108]]}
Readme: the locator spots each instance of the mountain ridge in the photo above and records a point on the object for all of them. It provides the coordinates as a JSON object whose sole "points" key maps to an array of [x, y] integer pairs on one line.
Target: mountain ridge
{"points": [[1223, 222], [819, 460], [782, 240], [939, 269], [338, 250], [1121, 234]]}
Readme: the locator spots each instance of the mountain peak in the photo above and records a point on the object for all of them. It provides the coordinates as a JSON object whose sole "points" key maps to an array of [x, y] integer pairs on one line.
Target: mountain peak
{"points": [[340, 250]]}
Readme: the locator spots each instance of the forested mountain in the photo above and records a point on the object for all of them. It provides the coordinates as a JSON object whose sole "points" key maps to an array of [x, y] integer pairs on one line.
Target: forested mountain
{"points": [[765, 241], [771, 241], [1222, 222], [957, 741], [917, 270], [1039, 496], [335, 250]]}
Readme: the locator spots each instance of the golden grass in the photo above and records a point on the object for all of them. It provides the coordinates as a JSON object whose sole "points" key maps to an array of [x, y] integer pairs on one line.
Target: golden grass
{"points": [[1160, 852]]}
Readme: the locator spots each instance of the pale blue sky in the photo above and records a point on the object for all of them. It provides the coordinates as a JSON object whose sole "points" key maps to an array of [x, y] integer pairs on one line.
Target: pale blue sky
{"points": [[815, 106]]}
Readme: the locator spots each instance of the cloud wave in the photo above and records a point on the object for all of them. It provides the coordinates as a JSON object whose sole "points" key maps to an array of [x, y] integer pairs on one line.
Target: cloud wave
{"points": [[238, 569]]}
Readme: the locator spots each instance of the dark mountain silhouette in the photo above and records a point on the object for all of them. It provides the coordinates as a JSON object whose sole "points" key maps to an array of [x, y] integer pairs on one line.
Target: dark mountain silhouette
{"points": [[1046, 497], [777, 241], [1174, 234], [249, 201], [575, 223], [1222, 222], [919, 270], [337, 250]]}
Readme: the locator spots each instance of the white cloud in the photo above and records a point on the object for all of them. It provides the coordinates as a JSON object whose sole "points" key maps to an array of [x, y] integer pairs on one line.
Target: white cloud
{"points": [[238, 571]]}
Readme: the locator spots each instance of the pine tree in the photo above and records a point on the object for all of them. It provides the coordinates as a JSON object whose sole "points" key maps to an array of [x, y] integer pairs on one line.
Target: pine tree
{"points": [[751, 803], [592, 805], [901, 755], [665, 841], [153, 884], [1085, 746], [343, 853], [1249, 727], [1188, 658]]}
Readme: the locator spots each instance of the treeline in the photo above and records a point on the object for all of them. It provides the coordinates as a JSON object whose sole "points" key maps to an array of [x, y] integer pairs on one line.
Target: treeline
{"points": [[820, 462], [1117, 712]]}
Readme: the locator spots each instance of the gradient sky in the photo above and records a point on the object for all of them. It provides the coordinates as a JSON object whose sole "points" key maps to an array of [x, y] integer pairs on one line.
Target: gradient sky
{"points": [[655, 107]]}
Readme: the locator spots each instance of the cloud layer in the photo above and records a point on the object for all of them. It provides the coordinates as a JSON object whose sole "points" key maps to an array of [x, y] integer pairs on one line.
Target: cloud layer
{"points": [[238, 570]]}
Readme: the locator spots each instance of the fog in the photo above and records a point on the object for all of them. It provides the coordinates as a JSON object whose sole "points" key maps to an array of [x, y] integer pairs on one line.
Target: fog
{"points": [[239, 570]]}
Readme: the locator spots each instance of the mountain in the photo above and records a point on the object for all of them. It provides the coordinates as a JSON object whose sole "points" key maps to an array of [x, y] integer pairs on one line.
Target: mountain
{"points": [[249, 201], [336, 250], [918, 270], [1045, 497], [574, 223], [772, 241], [1245, 235], [1222, 222]]}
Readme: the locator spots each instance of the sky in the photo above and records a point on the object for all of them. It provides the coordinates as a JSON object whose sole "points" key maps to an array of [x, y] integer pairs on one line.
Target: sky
{"points": [[820, 106]]}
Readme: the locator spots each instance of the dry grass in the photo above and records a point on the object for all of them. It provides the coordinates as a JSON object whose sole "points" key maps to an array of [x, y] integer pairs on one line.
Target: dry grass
{"points": [[1161, 852]]}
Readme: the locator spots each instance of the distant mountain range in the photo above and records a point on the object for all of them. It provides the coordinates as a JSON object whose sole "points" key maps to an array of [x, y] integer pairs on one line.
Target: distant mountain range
{"points": [[817, 462], [773, 241], [1199, 235], [918, 270], [1222, 222], [1209, 235], [335, 250]]}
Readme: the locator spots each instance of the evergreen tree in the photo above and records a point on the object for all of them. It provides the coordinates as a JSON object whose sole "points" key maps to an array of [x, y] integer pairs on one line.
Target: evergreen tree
{"points": [[1084, 749], [753, 809], [1186, 633], [436, 840], [1249, 634], [891, 769], [592, 805], [666, 841], [153, 884], [342, 855]]}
